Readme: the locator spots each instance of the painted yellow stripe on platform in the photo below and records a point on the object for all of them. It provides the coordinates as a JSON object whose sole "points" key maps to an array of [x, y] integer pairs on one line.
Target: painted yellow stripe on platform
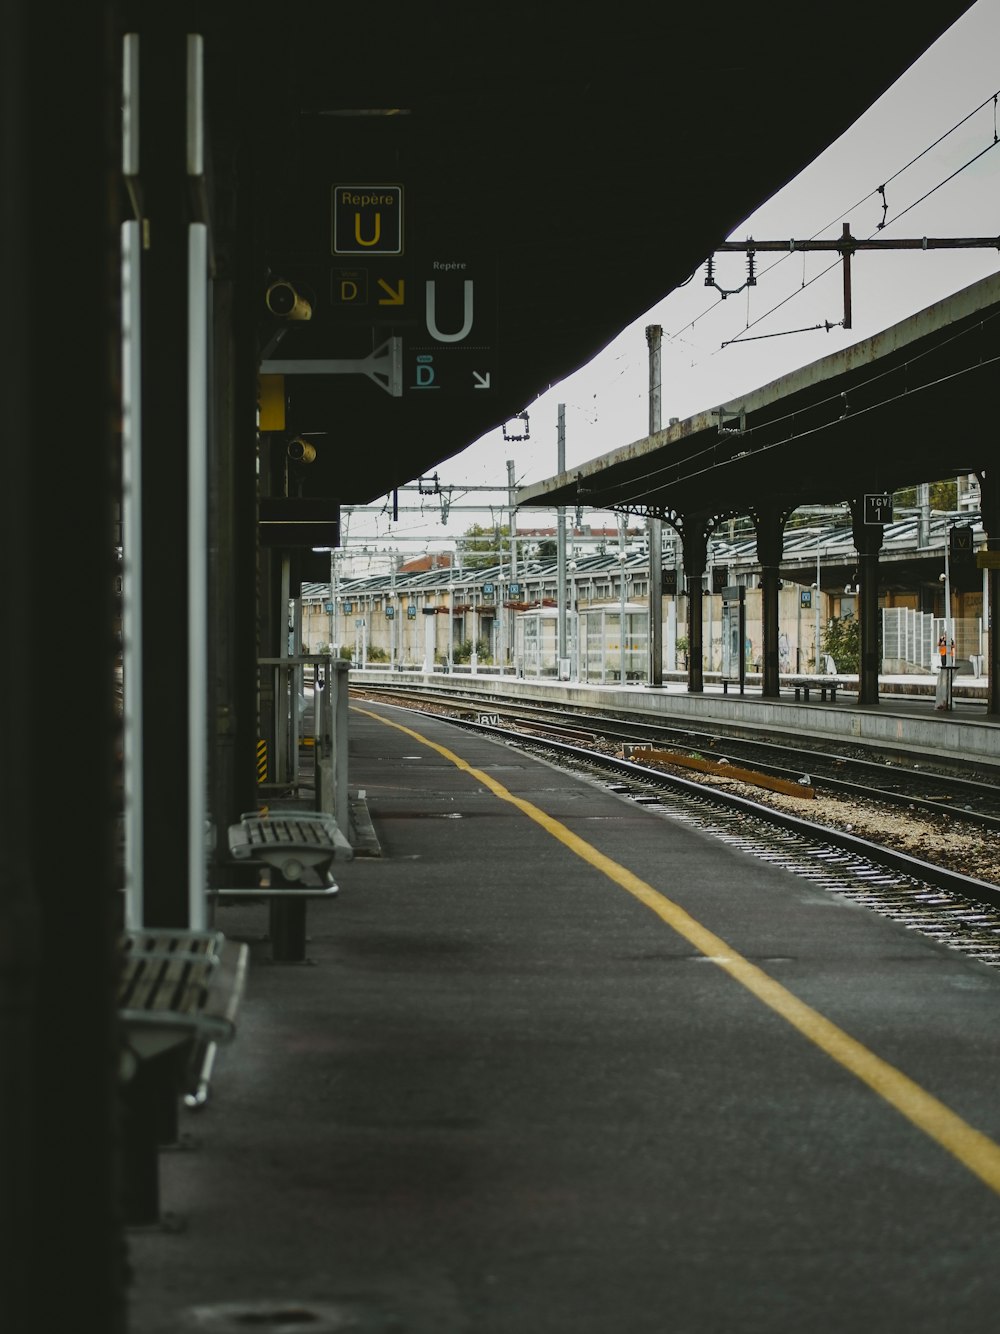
{"points": [[971, 1147]]}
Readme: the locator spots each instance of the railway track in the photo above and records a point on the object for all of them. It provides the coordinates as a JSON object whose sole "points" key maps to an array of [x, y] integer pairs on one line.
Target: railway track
{"points": [[906, 856]]}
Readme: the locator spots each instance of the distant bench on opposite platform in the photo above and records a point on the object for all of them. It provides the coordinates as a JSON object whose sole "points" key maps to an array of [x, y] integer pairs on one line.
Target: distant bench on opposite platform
{"points": [[825, 685]]}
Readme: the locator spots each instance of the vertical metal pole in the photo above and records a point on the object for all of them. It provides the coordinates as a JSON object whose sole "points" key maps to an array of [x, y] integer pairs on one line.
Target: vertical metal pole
{"points": [[392, 622], [323, 703], [948, 627], [846, 253], [334, 607], [561, 652], [654, 526], [451, 626], [429, 628], [924, 514], [296, 691], [197, 564], [283, 682], [132, 554], [819, 594], [197, 570], [338, 687], [513, 518], [622, 526]]}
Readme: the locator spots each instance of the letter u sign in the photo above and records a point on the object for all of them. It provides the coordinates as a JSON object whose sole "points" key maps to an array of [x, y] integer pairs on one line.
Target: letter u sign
{"points": [[374, 225], [468, 304]]}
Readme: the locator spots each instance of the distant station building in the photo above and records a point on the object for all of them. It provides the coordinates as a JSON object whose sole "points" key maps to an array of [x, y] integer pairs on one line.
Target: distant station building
{"points": [[429, 613]]}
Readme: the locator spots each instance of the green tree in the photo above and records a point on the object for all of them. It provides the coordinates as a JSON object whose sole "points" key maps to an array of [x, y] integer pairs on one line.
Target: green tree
{"points": [[483, 547], [842, 640], [463, 651], [943, 496]]}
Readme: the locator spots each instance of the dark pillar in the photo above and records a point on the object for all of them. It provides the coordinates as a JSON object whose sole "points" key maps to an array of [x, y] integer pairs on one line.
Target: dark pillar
{"points": [[62, 1259], [770, 525], [233, 584], [868, 542], [695, 543], [164, 468], [989, 486]]}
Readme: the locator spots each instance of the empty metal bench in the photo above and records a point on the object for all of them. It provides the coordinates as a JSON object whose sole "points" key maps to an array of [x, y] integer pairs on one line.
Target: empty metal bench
{"points": [[298, 848], [178, 994]]}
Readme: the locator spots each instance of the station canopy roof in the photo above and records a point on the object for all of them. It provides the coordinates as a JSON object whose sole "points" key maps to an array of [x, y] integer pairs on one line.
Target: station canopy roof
{"points": [[896, 409], [574, 165]]}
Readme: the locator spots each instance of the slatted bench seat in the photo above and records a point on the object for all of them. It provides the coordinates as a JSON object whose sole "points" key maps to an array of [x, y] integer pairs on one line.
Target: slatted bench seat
{"points": [[301, 845], [178, 995], [825, 685], [298, 848]]}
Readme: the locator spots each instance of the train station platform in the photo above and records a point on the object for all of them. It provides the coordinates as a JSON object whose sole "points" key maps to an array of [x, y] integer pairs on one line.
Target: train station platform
{"points": [[559, 1064]]}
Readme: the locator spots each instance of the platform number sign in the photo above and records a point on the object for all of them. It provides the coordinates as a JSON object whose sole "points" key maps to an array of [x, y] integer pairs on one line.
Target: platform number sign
{"points": [[960, 547], [878, 507]]}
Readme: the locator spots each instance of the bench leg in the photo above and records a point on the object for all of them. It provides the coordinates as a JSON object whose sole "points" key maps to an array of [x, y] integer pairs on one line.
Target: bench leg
{"points": [[147, 1100], [288, 929]]}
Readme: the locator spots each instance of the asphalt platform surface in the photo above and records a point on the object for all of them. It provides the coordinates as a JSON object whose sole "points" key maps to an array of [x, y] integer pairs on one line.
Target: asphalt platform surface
{"points": [[513, 1089]]}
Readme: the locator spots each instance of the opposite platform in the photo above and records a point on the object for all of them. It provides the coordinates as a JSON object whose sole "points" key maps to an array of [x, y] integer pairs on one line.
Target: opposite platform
{"points": [[902, 721]]}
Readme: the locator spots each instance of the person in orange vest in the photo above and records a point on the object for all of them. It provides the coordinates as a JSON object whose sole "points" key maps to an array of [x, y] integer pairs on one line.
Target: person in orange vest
{"points": [[943, 650]]}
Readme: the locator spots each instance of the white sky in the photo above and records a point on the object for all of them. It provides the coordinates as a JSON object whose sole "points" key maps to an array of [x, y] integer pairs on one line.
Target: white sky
{"points": [[607, 401]]}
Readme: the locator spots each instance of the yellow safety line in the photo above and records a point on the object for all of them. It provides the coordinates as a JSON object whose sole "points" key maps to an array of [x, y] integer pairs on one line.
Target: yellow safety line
{"points": [[971, 1147]]}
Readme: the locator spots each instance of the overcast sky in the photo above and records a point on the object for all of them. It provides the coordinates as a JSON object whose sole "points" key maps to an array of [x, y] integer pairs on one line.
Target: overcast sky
{"points": [[607, 401]]}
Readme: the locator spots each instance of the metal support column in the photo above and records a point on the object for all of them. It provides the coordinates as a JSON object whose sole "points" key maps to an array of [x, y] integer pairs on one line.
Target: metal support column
{"points": [[562, 634], [989, 487], [868, 543], [654, 526], [695, 542], [770, 525]]}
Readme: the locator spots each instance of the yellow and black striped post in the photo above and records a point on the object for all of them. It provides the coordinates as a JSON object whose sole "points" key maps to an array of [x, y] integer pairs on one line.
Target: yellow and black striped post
{"points": [[261, 761]]}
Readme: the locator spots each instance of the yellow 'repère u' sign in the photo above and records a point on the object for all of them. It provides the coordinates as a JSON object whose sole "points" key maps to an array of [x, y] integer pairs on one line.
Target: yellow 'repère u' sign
{"points": [[367, 220]]}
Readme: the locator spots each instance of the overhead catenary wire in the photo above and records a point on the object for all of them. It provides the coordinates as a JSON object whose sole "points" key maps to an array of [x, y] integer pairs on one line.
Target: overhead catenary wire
{"points": [[852, 209]]}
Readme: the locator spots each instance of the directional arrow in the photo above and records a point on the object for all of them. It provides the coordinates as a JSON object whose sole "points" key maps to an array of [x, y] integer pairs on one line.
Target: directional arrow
{"points": [[395, 297], [481, 381]]}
